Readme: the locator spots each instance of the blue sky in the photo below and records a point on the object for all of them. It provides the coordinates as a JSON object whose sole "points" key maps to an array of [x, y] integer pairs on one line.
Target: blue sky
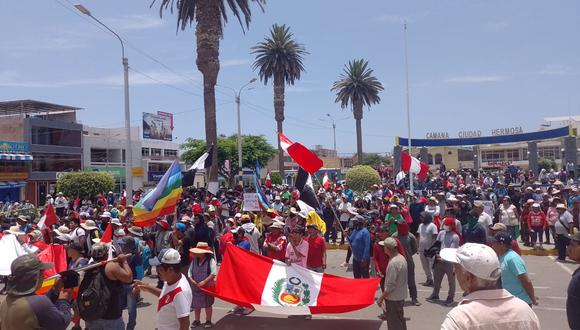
{"points": [[473, 65]]}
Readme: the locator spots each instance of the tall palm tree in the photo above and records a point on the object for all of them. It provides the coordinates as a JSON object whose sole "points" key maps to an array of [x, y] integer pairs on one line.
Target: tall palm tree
{"points": [[210, 17], [357, 87], [279, 57]]}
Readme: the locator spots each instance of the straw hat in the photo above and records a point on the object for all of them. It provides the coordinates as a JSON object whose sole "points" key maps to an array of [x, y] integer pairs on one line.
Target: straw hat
{"points": [[200, 248], [137, 231], [89, 225]]}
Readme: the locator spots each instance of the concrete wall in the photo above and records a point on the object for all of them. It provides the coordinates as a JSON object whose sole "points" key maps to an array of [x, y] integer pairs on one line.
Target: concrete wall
{"points": [[12, 128]]}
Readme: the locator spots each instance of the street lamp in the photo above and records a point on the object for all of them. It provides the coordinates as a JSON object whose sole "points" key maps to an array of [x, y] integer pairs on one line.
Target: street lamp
{"points": [[237, 94], [333, 127], [128, 152]]}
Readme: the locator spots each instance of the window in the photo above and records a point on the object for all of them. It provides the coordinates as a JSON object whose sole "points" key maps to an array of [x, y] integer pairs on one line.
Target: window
{"points": [[145, 152], [169, 153], [525, 154], [56, 136], [512, 154], [438, 159], [549, 152], [157, 167], [464, 155], [155, 152], [98, 155], [429, 159], [492, 156], [56, 163]]}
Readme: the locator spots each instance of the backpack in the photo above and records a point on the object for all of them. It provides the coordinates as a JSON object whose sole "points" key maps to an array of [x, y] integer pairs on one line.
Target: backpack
{"points": [[94, 295]]}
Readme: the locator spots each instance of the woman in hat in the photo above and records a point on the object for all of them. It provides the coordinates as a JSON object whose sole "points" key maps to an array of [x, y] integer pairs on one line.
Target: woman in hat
{"points": [[202, 272]]}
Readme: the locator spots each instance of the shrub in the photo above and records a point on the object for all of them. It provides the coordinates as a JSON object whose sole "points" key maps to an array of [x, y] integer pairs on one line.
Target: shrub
{"points": [[360, 178]]}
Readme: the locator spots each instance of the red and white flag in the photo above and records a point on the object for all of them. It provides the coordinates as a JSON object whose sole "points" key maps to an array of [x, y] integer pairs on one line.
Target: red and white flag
{"points": [[413, 165], [300, 154], [326, 183], [48, 219], [268, 182], [274, 287]]}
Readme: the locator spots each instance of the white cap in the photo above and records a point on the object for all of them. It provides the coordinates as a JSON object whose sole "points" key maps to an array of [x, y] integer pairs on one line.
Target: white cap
{"points": [[166, 256], [478, 259], [106, 215], [116, 221]]}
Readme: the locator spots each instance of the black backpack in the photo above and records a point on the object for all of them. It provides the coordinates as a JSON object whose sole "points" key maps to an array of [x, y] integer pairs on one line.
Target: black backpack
{"points": [[94, 295]]}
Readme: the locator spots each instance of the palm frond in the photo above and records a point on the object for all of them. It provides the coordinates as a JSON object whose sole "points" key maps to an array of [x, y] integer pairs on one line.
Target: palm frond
{"points": [[357, 84]]}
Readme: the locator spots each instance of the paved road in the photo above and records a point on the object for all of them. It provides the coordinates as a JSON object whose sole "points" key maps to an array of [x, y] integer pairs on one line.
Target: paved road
{"points": [[550, 280]]}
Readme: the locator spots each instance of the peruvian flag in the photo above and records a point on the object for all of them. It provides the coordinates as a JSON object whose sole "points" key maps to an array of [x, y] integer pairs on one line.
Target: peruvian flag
{"points": [[326, 181], [268, 182], [274, 287], [76, 203], [107, 234], [48, 219], [413, 165], [300, 154]]}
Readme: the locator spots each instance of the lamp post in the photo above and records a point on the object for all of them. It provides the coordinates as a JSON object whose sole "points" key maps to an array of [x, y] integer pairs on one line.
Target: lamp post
{"points": [[237, 94], [333, 130], [128, 151]]}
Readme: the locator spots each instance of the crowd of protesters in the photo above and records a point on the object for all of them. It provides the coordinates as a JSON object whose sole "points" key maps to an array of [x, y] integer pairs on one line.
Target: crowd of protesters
{"points": [[381, 229]]}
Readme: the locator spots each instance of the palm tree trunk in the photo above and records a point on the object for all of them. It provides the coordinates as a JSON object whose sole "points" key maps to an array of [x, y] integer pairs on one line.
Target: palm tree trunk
{"points": [[279, 111], [208, 43], [358, 115]]}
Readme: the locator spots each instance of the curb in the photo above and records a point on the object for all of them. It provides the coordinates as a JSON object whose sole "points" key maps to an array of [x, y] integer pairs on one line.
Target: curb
{"points": [[525, 252]]}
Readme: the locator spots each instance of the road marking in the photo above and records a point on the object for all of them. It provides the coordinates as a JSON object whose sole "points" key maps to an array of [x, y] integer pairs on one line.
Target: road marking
{"points": [[554, 309], [568, 270], [314, 316]]}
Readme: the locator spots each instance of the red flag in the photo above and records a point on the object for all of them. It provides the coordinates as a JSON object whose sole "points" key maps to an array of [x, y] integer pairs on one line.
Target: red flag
{"points": [[272, 286], [103, 200], [48, 219], [326, 181], [413, 165], [268, 182], [107, 234], [76, 203], [300, 154], [56, 255]]}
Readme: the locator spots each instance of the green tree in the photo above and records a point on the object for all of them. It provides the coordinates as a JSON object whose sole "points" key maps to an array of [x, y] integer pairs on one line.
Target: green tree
{"points": [[85, 184], [547, 164], [210, 17], [276, 178], [375, 160], [279, 57], [255, 147], [361, 178], [357, 87]]}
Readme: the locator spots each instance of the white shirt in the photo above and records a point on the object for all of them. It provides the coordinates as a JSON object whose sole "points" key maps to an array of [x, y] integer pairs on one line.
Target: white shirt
{"points": [[76, 234], [567, 219], [426, 233], [344, 217], [60, 202], [174, 303], [485, 221]]}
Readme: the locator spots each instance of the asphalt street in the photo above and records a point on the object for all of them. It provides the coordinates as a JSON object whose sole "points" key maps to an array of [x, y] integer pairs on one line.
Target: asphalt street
{"points": [[550, 280]]}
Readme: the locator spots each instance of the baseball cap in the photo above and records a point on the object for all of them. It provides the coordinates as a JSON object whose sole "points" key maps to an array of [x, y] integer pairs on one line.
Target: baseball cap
{"points": [[478, 259], [24, 274], [389, 242], [166, 256], [503, 237]]}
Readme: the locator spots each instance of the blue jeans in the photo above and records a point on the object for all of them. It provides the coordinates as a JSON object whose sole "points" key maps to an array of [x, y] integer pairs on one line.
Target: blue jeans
{"points": [[102, 324], [131, 308], [330, 232]]}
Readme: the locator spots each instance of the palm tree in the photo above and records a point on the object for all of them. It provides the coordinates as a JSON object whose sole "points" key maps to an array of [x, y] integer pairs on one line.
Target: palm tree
{"points": [[279, 57], [210, 16], [357, 87]]}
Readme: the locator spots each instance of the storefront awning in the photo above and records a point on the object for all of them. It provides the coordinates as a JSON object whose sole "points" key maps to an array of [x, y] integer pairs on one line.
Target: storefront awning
{"points": [[15, 157], [12, 184]]}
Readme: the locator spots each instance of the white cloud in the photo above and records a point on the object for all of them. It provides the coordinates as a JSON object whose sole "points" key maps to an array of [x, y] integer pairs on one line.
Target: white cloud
{"points": [[555, 70], [233, 62], [475, 79], [11, 79], [134, 22]]}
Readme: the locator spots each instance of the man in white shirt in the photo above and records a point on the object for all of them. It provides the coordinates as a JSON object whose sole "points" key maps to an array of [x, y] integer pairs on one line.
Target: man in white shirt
{"points": [[175, 298], [60, 204], [427, 236], [563, 226], [484, 219]]}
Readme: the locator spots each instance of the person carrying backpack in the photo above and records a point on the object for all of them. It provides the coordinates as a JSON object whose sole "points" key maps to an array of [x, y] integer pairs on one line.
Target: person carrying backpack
{"points": [[101, 293]]}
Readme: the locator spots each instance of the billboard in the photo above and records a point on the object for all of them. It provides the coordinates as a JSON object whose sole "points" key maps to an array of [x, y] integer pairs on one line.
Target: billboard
{"points": [[158, 126]]}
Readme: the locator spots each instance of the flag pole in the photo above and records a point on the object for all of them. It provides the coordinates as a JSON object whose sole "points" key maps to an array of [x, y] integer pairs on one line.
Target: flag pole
{"points": [[336, 221], [408, 106], [87, 267]]}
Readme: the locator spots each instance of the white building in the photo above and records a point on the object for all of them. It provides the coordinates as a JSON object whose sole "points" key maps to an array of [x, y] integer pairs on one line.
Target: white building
{"points": [[104, 150]]}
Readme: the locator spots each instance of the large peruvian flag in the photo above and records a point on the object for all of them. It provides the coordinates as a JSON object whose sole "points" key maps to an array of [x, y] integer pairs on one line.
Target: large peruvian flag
{"points": [[300, 154], [413, 165], [251, 280]]}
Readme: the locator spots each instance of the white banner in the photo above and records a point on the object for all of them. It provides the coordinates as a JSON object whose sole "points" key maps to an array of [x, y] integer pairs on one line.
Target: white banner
{"points": [[251, 202]]}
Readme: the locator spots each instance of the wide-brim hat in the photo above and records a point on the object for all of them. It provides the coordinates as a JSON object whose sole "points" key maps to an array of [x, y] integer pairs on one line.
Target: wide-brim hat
{"points": [[15, 230], [137, 231], [201, 248], [277, 224], [293, 211], [24, 277], [116, 221], [89, 225]]}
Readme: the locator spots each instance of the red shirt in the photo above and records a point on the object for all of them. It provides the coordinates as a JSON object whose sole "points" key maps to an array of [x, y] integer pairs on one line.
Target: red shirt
{"points": [[380, 258], [316, 249], [537, 219], [280, 242]]}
